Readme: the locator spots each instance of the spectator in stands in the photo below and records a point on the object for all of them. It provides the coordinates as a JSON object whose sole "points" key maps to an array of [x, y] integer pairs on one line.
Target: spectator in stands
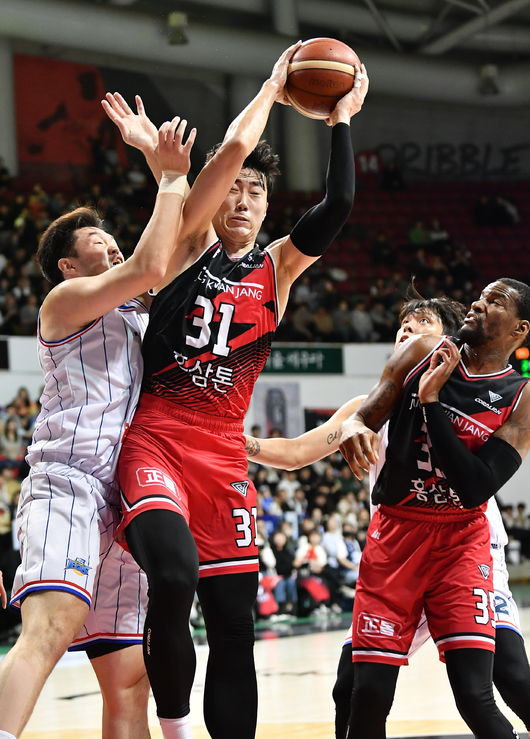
{"points": [[382, 251], [391, 176], [302, 323], [350, 571], [439, 237], [341, 317], [9, 322], [418, 235], [285, 592], [323, 325], [11, 444], [362, 324], [383, 321]]}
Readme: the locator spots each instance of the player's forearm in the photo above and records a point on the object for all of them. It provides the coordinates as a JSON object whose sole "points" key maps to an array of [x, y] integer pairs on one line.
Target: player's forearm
{"points": [[317, 228], [475, 477], [158, 240], [246, 129]]}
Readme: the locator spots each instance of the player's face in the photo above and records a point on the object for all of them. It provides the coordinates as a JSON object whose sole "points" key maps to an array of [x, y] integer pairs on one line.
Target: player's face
{"points": [[240, 216], [419, 322], [96, 250], [493, 316]]}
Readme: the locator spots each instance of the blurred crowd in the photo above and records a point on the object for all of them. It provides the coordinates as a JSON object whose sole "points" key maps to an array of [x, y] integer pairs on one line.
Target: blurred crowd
{"points": [[327, 304]]}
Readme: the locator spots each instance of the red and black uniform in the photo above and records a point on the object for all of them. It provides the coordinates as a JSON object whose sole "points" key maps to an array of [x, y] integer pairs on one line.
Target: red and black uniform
{"points": [[208, 339], [424, 550]]}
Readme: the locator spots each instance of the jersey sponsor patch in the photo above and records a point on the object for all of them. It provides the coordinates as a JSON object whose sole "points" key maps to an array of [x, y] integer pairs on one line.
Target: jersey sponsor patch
{"points": [[78, 565], [369, 624], [241, 487], [484, 571], [494, 397], [148, 476]]}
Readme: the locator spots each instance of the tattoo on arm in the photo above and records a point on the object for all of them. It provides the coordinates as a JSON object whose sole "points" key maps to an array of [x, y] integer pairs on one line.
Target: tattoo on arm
{"points": [[252, 447], [332, 437]]}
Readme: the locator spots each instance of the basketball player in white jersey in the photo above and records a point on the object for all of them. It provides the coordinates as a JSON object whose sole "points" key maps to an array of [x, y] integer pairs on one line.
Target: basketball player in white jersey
{"points": [[74, 584], [511, 670]]}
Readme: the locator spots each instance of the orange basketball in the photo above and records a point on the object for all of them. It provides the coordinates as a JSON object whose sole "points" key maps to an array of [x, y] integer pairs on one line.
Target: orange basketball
{"points": [[321, 71]]}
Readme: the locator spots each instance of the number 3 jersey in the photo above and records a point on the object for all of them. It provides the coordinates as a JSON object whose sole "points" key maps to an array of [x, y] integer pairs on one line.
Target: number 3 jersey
{"points": [[477, 406], [210, 332]]}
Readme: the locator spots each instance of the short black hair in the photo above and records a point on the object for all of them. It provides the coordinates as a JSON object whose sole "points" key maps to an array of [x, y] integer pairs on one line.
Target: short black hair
{"points": [[450, 312], [58, 240], [522, 301], [261, 159], [523, 296]]}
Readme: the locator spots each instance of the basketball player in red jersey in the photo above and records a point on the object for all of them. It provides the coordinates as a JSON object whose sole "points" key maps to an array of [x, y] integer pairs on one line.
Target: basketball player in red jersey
{"points": [[458, 430], [189, 507]]}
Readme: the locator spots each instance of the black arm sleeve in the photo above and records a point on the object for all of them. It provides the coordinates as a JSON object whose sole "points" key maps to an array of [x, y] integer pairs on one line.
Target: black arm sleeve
{"points": [[317, 228], [474, 477]]}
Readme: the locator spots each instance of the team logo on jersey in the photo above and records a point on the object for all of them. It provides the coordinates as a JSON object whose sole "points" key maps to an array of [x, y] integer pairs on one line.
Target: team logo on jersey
{"points": [[493, 398], [484, 571], [241, 487], [147, 476], [77, 565], [371, 625]]}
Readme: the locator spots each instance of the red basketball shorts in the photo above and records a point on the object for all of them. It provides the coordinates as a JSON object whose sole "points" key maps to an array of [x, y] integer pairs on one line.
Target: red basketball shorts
{"points": [[196, 465], [413, 562]]}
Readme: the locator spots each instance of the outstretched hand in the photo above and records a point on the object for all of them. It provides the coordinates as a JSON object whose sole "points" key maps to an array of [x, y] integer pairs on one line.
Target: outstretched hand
{"points": [[442, 364], [136, 128], [173, 154], [353, 101], [359, 446], [3, 594], [279, 72]]}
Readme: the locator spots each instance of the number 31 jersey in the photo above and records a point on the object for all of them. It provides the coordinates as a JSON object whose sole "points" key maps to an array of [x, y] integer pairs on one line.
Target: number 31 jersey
{"points": [[210, 332]]}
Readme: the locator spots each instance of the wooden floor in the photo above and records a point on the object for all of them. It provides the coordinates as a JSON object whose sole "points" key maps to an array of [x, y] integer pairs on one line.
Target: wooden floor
{"points": [[295, 676]]}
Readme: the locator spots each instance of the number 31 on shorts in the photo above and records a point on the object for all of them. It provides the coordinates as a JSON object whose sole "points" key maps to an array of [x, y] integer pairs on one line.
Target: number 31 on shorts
{"points": [[245, 526], [485, 605]]}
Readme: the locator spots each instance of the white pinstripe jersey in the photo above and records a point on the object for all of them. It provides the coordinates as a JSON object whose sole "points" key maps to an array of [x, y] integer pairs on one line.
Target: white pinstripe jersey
{"points": [[91, 386]]}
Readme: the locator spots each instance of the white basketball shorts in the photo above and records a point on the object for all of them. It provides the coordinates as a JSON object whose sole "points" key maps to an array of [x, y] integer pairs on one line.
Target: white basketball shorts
{"points": [[65, 524]]}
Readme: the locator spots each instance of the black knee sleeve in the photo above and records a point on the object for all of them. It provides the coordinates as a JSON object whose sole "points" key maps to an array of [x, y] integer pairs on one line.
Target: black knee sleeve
{"points": [[163, 546], [342, 692], [230, 693], [470, 674], [511, 673], [372, 697]]}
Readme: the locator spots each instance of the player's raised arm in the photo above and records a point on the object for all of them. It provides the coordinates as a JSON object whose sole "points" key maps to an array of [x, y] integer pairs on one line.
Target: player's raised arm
{"points": [[317, 228], [98, 286], [217, 176], [291, 454], [359, 442]]}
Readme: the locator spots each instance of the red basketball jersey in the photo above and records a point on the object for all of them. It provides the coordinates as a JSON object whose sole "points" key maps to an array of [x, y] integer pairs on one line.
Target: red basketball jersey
{"points": [[210, 332]]}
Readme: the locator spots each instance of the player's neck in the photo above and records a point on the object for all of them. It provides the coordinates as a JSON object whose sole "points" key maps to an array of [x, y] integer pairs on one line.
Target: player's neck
{"points": [[236, 250], [483, 360]]}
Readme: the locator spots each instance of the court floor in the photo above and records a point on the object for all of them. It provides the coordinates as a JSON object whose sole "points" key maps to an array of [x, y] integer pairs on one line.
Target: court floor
{"points": [[295, 676]]}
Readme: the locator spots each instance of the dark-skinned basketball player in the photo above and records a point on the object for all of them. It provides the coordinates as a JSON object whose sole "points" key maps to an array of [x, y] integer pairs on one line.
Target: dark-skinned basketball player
{"points": [[189, 507], [458, 430]]}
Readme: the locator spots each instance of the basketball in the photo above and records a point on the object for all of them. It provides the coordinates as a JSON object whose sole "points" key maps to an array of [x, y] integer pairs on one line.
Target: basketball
{"points": [[321, 71]]}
